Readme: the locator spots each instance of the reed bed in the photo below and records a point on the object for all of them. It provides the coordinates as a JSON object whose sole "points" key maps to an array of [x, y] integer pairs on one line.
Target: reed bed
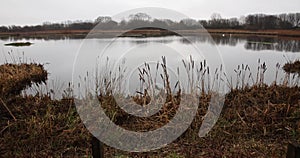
{"points": [[258, 120]]}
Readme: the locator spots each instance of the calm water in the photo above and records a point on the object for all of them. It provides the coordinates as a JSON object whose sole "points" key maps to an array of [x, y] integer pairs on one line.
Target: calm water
{"points": [[60, 54]]}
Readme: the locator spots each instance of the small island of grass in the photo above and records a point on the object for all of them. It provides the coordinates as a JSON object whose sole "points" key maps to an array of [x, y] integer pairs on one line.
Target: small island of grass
{"points": [[19, 44]]}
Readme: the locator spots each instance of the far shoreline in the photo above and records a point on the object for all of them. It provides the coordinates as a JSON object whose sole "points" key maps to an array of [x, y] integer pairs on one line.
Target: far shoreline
{"points": [[295, 33]]}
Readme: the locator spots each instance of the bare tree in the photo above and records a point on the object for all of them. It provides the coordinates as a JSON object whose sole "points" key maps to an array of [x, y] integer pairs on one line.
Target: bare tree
{"points": [[140, 16], [216, 16], [292, 18], [191, 23], [204, 23], [242, 20], [297, 19], [283, 17], [233, 23], [103, 19]]}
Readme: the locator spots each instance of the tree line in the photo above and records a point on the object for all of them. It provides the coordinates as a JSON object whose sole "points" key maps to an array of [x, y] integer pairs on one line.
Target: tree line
{"points": [[252, 22]]}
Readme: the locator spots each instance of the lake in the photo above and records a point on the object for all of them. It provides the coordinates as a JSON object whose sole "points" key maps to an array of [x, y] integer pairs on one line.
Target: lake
{"points": [[60, 54]]}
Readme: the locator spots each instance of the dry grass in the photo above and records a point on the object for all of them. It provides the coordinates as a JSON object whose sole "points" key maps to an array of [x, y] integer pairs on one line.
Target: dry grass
{"points": [[16, 77], [43, 127], [36, 126], [292, 67], [257, 121]]}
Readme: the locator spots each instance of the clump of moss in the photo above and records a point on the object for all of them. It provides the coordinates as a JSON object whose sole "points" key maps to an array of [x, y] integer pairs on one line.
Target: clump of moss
{"points": [[19, 44], [292, 67], [16, 77]]}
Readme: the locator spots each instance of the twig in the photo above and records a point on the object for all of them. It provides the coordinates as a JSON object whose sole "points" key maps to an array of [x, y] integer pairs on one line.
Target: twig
{"points": [[8, 109], [241, 118]]}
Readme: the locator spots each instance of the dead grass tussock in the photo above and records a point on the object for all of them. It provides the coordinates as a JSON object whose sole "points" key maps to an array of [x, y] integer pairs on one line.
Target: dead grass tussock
{"points": [[16, 77], [292, 67]]}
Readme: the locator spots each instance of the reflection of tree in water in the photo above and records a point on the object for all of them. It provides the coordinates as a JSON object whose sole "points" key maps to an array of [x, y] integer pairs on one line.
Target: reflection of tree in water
{"points": [[256, 43], [217, 39], [253, 43], [273, 44], [193, 39], [143, 41], [289, 45], [226, 40], [43, 37]]}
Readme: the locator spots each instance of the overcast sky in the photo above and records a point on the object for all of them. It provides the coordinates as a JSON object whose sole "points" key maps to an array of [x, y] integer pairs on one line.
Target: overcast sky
{"points": [[31, 12]]}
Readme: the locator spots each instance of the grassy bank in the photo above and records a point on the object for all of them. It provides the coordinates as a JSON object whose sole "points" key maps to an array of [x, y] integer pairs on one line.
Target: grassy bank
{"points": [[285, 33], [16, 77], [37, 126], [155, 33], [256, 121]]}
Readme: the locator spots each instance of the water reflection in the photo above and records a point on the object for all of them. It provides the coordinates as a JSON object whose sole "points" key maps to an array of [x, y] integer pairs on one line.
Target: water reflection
{"points": [[143, 40], [273, 44], [256, 43], [42, 37], [250, 42], [235, 50]]}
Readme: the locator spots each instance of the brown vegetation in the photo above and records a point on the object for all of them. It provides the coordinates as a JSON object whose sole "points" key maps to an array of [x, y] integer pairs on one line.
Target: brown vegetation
{"points": [[36, 126], [256, 121], [42, 128], [293, 67], [16, 77], [19, 44]]}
